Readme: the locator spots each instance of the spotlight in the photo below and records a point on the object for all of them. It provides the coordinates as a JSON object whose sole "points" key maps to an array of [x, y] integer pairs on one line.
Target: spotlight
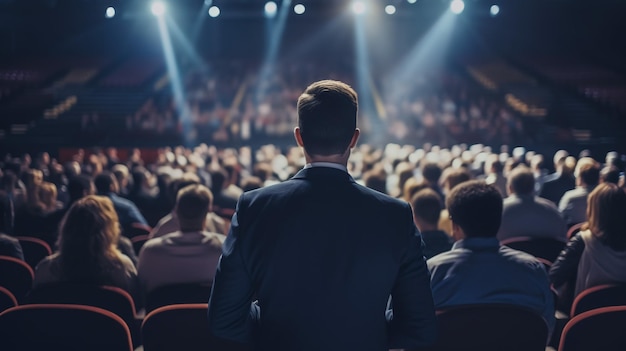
{"points": [[270, 9], [411, 1], [358, 7], [299, 9], [157, 8], [214, 11], [390, 9], [457, 6], [110, 12], [494, 10], [208, 2]]}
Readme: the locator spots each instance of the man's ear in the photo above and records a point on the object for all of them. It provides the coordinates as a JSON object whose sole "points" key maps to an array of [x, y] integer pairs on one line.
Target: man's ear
{"points": [[298, 136], [457, 232], [355, 138]]}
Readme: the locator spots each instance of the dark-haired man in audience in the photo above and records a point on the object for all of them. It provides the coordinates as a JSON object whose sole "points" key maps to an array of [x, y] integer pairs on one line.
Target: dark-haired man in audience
{"points": [[426, 205], [321, 253], [478, 270], [573, 204], [188, 255], [525, 214], [557, 183], [128, 213]]}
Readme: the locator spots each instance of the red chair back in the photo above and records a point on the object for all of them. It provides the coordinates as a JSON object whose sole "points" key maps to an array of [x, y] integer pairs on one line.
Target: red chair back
{"points": [[7, 300], [599, 296], [34, 250], [177, 294], [138, 242], [546, 248], [16, 276], [573, 230], [63, 327], [598, 329], [177, 327]]}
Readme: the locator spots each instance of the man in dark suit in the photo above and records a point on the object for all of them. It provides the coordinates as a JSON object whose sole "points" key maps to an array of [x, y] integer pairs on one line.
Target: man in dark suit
{"points": [[322, 254], [557, 183]]}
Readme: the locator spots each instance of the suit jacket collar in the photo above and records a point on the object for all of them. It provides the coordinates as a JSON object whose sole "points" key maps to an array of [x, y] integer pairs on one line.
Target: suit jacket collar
{"points": [[329, 173]]}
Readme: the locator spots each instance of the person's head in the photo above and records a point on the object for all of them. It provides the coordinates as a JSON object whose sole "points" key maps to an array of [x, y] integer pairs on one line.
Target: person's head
{"points": [[48, 195], [606, 206], [88, 237], [426, 205], [193, 202], [327, 114], [106, 183], [121, 174], [559, 159], [475, 209], [251, 183], [80, 186], [587, 172], [453, 177], [521, 181], [177, 184], [609, 174], [432, 172], [218, 180]]}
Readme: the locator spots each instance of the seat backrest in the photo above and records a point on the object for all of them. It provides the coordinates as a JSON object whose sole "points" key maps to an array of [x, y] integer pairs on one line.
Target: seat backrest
{"points": [[177, 327], [598, 329], [7, 300], [34, 250], [574, 229], [546, 248], [16, 275], [63, 327], [599, 296], [177, 294], [490, 327], [136, 229]]}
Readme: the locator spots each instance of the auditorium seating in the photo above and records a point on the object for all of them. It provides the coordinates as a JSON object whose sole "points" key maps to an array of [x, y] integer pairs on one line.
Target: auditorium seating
{"points": [[7, 300], [545, 248], [34, 250], [16, 276], [138, 242], [598, 329], [599, 296], [177, 327], [177, 294], [63, 327]]}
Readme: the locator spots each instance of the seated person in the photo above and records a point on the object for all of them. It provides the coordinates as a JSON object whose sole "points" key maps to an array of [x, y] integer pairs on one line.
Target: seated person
{"points": [[426, 205], [88, 251], [9, 246], [478, 270], [597, 254], [188, 255]]}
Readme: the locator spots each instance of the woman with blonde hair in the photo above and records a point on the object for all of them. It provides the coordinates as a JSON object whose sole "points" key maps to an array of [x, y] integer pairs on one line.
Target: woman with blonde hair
{"points": [[597, 254], [88, 252]]}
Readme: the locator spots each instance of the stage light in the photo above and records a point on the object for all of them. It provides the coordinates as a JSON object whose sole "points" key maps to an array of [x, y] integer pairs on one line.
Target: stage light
{"points": [[390, 9], [494, 10], [299, 9], [214, 11], [157, 8], [457, 6], [270, 9], [110, 12], [358, 7], [208, 2], [411, 1]]}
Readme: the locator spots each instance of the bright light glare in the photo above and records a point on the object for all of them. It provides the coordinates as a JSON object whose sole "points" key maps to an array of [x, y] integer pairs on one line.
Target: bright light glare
{"points": [[270, 8], [358, 7], [411, 1], [494, 10], [110, 12], [299, 9], [390, 9], [214, 11], [158, 8], [457, 6]]}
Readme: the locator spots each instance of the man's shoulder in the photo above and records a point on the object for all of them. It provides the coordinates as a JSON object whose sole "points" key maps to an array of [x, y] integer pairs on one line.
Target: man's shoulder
{"points": [[121, 202], [520, 257]]}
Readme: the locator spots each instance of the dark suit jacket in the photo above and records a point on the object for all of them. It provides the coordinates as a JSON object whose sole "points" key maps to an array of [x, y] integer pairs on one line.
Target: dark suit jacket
{"points": [[322, 255], [555, 185]]}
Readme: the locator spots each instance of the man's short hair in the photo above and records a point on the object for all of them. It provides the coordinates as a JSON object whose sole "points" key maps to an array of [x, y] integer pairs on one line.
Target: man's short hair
{"points": [[588, 170], [327, 112], [193, 203], [476, 207], [105, 183], [432, 172], [426, 205], [522, 180]]}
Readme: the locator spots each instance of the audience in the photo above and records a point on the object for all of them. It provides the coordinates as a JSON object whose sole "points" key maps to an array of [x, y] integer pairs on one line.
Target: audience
{"points": [[426, 205], [597, 254], [526, 215], [9, 246], [127, 211], [562, 180], [573, 204], [88, 251], [187, 255], [478, 270]]}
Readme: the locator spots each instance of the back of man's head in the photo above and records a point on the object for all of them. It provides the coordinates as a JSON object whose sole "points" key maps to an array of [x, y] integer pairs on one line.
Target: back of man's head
{"points": [[521, 181], [192, 205], [432, 172], [476, 208], [588, 171], [105, 183], [426, 205], [327, 113], [79, 186], [609, 174]]}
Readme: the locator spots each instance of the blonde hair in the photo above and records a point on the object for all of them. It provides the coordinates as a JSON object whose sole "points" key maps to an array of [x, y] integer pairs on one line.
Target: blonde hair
{"points": [[88, 238], [48, 195], [606, 206]]}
